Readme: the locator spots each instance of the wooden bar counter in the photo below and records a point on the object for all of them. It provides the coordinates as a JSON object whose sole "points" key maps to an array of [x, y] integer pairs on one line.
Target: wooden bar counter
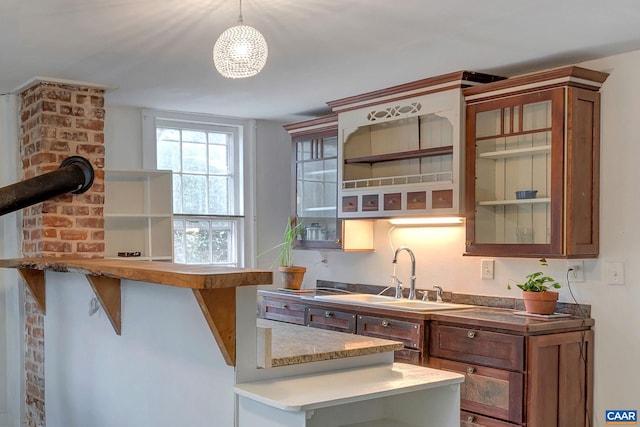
{"points": [[213, 287]]}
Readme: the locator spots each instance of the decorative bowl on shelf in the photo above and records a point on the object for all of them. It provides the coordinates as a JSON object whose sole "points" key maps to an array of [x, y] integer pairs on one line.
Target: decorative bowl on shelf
{"points": [[526, 194]]}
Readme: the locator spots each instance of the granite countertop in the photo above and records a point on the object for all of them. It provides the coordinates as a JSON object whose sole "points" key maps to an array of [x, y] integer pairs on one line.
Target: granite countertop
{"points": [[293, 344], [489, 312], [505, 319]]}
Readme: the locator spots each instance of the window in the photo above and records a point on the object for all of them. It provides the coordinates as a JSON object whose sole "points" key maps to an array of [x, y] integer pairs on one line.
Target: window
{"points": [[208, 194]]}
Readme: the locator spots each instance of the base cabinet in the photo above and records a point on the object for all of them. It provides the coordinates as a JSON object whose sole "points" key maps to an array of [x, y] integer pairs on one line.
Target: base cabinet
{"points": [[411, 334], [546, 382], [289, 310], [334, 320], [513, 377]]}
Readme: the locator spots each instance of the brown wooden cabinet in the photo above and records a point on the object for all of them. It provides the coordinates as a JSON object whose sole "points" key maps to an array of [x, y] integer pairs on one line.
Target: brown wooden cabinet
{"points": [[514, 379], [411, 333], [532, 165], [284, 309], [519, 371], [314, 169], [329, 318]]}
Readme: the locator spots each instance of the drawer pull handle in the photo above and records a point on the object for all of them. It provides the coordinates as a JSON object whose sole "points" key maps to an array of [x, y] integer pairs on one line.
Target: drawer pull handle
{"points": [[470, 370], [470, 418], [385, 323], [328, 314], [285, 306], [471, 334]]}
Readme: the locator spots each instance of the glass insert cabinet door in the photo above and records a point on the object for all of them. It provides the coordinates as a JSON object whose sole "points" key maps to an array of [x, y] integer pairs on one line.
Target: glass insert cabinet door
{"points": [[514, 155], [316, 170]]}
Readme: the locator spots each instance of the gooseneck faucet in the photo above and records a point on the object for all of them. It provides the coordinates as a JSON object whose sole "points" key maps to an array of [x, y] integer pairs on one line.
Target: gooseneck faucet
{"points": [[412, 279]]}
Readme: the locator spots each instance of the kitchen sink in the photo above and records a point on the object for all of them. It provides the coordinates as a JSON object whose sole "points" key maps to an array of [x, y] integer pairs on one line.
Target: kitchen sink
{"points": [[418, 305], [355, 298], [390, 303]]}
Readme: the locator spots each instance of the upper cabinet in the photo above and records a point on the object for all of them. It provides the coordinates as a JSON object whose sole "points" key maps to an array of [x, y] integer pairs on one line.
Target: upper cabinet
{"points": [[400, 150], [315, 179], [532, 165]]}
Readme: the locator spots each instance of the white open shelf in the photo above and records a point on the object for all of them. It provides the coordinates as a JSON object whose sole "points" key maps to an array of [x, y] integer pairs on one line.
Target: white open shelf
{"points": [[138, 214]]}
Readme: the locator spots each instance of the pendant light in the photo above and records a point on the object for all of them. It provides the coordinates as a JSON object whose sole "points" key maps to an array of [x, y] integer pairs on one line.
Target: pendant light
{"points": [[241, 51]]}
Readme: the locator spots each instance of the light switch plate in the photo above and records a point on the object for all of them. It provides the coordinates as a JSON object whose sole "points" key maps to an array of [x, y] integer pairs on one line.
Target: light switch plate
{"points": [[614, 273], [486, 269]]}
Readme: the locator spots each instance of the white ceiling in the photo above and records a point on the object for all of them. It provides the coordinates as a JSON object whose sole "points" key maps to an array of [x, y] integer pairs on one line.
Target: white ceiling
{"points": [[158, 52]]}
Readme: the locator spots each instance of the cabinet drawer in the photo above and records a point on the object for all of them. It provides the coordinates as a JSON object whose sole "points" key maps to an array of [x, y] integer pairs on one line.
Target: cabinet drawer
{"points": [[469, 419], [393, 202], [410, 333], [492, 392], [282, 310], [442, 199], [480, 347], [350, 204], [370, 202], [331, 319], [416, 200]]}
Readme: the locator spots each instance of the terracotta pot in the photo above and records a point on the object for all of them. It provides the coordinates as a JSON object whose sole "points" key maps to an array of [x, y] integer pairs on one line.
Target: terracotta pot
{"points": [[292, 276], [540, 302]]}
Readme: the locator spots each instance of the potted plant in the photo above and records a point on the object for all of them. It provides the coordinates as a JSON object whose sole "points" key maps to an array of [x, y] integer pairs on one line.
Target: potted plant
{"points": [[538, 299], [291, 275]]}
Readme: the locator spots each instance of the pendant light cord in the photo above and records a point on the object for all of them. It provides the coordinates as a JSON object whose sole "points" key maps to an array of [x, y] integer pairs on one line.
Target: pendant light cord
{"points": [[240, 14]]}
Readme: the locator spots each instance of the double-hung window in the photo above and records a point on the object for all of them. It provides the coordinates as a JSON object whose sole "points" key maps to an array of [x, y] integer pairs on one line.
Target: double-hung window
{"points": [[206, 159]]}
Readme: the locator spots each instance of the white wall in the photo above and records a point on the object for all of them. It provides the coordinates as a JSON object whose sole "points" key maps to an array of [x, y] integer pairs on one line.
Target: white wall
{"points": [[11, 326], [123, 138], [164, 370]]}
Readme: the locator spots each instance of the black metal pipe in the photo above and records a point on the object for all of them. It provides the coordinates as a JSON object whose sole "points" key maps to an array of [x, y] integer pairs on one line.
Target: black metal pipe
{"points": [[74, 175]]}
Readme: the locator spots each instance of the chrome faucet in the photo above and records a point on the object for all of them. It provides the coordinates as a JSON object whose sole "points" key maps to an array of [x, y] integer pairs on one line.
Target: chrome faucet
{"points": [[398, 287], [438, 293], [412, 283]]}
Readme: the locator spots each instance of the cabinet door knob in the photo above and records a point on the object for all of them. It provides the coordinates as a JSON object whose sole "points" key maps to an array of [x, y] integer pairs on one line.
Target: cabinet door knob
{"points": [[471, 334], [328, 314], [470, 369], [470, 418], [385, 323], [285, 306]]}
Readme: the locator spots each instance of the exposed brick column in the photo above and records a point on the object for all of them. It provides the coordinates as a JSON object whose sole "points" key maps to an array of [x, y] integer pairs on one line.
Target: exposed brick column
{"points": [[58, 121]]}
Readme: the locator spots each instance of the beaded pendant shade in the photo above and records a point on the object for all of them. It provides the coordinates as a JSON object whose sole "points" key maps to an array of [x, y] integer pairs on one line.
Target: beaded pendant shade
{"points": [[240, 51]]}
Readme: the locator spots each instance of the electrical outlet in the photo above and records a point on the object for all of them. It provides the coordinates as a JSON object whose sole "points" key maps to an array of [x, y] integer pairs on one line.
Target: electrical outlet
{"points": [[486, 269], [614, 273], [576, 271]]}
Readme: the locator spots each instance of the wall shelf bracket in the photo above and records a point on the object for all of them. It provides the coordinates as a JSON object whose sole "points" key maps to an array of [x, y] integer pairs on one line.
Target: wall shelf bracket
{"points": [[36, 284], [107, 289], [219, 307]]}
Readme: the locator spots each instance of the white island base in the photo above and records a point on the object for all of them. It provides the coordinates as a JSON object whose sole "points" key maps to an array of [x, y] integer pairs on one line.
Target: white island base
{"points": [[389, 395]]}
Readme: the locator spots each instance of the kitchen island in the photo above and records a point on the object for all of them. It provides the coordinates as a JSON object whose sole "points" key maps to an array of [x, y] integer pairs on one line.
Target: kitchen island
{"points": [[370, 391]]}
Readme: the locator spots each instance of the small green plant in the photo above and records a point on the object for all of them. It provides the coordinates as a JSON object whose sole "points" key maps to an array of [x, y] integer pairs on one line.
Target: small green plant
{"points": [[286, 247], [538, 282], [290, 236]]}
